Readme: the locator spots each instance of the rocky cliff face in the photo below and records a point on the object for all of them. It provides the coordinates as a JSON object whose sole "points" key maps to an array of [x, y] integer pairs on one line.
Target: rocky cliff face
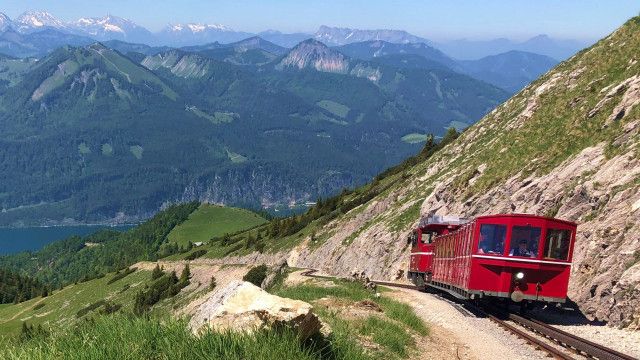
{"points": [[312, 54], [567, 146]]}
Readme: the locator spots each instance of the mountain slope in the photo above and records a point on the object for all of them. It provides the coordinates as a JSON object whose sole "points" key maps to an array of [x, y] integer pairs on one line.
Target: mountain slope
{"points": [[437, 96], [284, 40], [567, 146], [542, 44], [38, 43], [184, 126], [251, 51], [511, 71], [369, 50], [335, 36]]}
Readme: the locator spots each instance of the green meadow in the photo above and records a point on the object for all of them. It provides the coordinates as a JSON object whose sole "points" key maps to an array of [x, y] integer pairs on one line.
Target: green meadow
{"points": [[211, 221]]}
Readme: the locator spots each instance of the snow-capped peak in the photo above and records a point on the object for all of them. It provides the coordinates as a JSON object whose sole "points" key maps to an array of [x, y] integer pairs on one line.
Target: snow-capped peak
{"points": [[39, 19], [197, 27], [4, 21]]}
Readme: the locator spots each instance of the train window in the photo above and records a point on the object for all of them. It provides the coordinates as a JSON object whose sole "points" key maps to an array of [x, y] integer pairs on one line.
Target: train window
{"points": [[524, 241], [413, 238], [492, 239], [557, 244], [427, 238]]}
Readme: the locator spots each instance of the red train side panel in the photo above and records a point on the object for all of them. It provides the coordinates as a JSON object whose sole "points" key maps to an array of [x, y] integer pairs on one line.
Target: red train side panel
{"points": [[523, 257]]}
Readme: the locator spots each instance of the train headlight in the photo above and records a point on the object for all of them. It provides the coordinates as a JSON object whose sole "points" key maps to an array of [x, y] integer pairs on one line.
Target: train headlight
{"points": [[520, 275]]}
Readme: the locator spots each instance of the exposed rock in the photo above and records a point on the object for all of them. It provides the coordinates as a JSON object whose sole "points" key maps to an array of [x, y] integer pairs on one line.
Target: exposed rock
{"points": [[243, 307], [273, 273]]}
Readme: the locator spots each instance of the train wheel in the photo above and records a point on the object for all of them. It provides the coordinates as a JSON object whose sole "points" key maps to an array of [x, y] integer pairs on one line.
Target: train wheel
{"points": [[523, 307], [420, 283]]}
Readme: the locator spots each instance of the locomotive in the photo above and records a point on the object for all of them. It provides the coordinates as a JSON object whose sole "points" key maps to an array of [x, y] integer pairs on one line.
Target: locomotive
{"points": [[525, 258]]}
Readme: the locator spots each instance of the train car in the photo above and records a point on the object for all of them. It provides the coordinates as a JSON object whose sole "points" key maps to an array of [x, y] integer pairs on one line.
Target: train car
{"points": [[514, 256]]}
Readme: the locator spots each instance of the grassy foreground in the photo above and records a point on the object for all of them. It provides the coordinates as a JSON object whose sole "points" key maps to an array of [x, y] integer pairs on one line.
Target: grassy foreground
{"points": [[123, 337]]}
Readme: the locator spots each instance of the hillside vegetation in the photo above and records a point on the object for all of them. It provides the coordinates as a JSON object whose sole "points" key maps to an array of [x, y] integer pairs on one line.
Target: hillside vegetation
{"points": [[254, 136], [84, 258], [212, 221], [566, 146]]}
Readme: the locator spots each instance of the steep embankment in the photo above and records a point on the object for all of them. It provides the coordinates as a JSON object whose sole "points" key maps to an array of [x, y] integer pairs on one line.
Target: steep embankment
{"points": [[568, 146]]}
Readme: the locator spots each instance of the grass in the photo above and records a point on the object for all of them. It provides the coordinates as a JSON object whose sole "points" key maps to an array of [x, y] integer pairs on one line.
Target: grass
{"points": [[388, 334], [124, 337], [334, 108], [235, 157], [414, 138], [390, 329], [63, 305], [107, 149], [218, 117], [136, 150], [210, 221]]}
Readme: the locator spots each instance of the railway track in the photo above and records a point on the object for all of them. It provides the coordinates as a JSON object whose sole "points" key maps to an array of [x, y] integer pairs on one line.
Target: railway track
{"points": [[573, 343]]}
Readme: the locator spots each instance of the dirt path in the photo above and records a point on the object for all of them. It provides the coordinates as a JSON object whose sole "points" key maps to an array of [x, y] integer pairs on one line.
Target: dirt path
{"points": [[466, 337]]}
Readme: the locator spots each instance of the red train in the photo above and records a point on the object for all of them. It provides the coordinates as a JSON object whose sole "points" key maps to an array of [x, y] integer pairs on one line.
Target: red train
{"points": [[521, 257]]}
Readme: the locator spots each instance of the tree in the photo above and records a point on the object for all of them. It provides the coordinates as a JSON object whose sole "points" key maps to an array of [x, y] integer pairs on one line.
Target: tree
{"points": [[186, 273], [156, 273]]}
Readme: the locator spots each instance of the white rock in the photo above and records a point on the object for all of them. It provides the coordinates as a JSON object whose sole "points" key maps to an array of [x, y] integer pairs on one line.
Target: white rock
{"points": [[244, 307]]}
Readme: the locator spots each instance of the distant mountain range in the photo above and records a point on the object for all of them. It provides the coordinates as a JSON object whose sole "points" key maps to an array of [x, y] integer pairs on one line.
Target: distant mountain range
{"points": [[35, 34], [111, 27], [94, 134], [541, 44]]}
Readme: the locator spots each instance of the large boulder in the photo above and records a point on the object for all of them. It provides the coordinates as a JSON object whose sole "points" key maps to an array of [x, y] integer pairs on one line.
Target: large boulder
{"points": [[244, 307]]}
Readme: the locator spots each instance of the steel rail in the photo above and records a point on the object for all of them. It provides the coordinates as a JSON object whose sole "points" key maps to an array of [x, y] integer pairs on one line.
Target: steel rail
{"points": [[561, 337], [585, 346]]}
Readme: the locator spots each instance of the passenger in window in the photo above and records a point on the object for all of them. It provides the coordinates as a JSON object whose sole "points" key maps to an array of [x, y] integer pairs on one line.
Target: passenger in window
{"points": [[483, 248], [498, 248], [522, 250]]}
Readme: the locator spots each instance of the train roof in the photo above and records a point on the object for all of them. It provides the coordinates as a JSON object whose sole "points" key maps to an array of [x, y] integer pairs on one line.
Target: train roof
{"points": [[445, 220], [531, 216]]}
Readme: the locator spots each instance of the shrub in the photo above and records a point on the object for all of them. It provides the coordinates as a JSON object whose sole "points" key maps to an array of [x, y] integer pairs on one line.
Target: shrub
{"points": [[156, 273], [256, 275], [121, 275], [164, 287], [39, 306], [89, 308], [110, 308], [213, 283], [196, 254]]}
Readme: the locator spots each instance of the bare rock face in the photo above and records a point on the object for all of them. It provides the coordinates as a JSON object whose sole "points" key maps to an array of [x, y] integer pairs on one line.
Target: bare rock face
{"points": [[244, 307]]}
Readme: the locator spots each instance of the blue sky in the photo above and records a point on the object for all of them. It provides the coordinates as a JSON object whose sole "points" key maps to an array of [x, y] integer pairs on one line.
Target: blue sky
{"points": [[479, 19]]}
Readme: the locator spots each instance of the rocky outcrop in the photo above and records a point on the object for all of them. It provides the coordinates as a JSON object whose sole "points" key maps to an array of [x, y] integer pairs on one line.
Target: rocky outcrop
{"points": [[567, 146], [313, 54], [244, 307]]}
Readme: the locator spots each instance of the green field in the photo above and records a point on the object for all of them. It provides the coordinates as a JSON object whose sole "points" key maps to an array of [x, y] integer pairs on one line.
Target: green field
{"points": [[210, 221], [334, 108], [415, 138], [61, 307]]}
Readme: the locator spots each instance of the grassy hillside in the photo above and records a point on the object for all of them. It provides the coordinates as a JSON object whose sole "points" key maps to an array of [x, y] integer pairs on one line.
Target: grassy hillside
{"points": [[61, 307], [73, 323], [211, 221], [83, 258]]}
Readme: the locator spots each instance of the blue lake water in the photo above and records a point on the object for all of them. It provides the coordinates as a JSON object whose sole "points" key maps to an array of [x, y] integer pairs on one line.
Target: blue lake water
{"points": [[34, 238]]}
